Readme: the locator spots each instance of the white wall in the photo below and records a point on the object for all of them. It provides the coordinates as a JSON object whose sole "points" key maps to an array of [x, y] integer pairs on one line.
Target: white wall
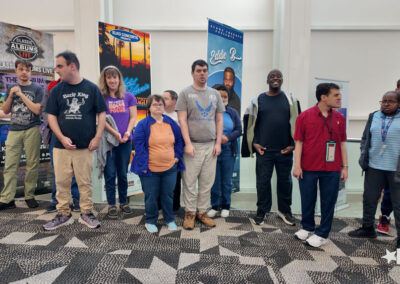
{"points": [[368, 59]]}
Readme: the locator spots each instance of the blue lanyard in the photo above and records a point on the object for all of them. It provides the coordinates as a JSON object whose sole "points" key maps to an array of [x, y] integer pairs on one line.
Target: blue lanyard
{"points": [[384, 130]]}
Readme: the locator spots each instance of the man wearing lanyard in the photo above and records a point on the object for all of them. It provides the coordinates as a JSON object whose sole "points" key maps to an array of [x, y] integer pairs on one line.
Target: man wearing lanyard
{"points": [[320, 155], [380, 151]]}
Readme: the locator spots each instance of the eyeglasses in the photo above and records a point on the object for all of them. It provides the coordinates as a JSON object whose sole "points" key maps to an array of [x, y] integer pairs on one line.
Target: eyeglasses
{"points": [[157, 105], [388, 102]]}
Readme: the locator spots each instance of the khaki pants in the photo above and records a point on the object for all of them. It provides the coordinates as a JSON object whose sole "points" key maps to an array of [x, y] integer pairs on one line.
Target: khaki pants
{"points": [[199, 168], [17, 141], [67, 164]]}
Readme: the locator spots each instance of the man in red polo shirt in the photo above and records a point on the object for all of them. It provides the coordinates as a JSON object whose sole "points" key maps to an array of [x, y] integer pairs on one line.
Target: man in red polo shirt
{"points": [[320, 155]]}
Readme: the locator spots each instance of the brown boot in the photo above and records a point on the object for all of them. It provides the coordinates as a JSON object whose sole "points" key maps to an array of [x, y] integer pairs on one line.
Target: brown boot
{"points": [[188, 222], [203, 217]]}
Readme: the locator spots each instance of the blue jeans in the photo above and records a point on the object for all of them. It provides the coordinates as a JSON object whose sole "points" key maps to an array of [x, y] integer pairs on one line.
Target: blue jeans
{"points": [[159, 186], [117, 166], [222, 188], [386, 204], [74, 185], [328, 188]]}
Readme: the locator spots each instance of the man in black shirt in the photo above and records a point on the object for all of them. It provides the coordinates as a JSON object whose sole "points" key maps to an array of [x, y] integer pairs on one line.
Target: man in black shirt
{"points": [[269, 127], [229, 83], [72, 109]]}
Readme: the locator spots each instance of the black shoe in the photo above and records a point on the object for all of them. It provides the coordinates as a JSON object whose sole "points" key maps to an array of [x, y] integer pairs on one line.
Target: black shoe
{"points": [[125, 208], [32, 203], [363, 232], [258, 219], [112, 212], [398, 244], [287, 218], [9, 205]]}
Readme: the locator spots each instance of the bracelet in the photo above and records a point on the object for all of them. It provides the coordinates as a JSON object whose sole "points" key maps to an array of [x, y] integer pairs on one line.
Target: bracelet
{"points": [[345, 166]]}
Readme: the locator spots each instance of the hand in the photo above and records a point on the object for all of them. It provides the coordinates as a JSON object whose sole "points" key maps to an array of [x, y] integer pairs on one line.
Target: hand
{"points": [[287, 150], [189, 150], [217, 150], [67, 143], [224, 139], [126, 137], [15, 91], [118, 137], [94, 144], [344, 174], [298, 173], [176, 160], [145, 172], [260, 149]]}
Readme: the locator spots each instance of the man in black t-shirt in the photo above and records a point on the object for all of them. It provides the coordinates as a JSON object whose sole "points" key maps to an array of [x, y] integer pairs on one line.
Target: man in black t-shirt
{"points": [[72, 109], [269, 124], [23, 102]]}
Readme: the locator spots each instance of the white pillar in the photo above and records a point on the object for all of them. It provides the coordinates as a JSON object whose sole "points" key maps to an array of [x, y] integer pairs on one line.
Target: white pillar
{"points": [[291, 49], [86, 18]]}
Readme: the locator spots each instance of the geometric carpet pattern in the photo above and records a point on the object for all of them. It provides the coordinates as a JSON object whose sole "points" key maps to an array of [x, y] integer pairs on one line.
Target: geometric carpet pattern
{"points": [[235, 251]]}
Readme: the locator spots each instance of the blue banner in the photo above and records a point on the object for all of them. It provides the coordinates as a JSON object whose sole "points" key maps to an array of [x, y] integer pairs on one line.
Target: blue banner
{"points": [[224, 58]]}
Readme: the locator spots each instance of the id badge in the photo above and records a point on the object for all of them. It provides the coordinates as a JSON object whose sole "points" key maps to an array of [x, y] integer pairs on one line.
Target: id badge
{"points": [[330, 151]]}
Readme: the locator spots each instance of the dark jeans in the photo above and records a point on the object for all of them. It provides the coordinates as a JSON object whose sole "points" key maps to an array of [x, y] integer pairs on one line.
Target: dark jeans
{"points": [[159, 185], [374, 181], [386, 204], [117, 166], [177, 194], [328, 191], [264, 168], [74, 185], [222, 188]]}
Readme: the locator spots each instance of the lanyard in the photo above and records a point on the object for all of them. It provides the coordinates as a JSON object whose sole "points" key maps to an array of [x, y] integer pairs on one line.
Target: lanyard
{"points": [[326, 123], [384, 130]]}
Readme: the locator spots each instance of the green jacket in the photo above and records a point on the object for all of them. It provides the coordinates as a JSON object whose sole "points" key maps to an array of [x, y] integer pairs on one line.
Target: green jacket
{"points": [[250, 118]]}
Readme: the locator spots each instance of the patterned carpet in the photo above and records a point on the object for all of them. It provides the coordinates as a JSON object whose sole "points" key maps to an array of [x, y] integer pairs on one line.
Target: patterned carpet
{"points": [[235, 251]]}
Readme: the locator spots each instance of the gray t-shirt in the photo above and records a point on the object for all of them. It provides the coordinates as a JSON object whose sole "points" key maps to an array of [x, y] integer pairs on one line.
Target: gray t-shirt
{"points": [[22, 117], [201, 107]]}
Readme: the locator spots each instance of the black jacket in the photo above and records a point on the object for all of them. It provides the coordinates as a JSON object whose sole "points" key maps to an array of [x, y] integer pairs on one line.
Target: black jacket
{"points": [[366, 144]]}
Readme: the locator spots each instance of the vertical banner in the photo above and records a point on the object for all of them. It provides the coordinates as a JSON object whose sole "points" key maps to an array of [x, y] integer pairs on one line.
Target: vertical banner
{"points": [[129, 50], [224, 58], [18, 42], [341, 202]]}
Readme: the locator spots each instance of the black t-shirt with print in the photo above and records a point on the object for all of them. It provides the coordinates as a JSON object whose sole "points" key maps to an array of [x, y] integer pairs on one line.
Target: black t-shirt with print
{"points": [[76, 107], [22, 118]]}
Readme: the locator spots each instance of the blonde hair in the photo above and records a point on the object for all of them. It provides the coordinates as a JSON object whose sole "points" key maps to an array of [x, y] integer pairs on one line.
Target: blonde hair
{"points": [[112, 70]]}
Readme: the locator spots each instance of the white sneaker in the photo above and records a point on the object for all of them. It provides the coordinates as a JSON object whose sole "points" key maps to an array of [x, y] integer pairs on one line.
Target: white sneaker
{"points": [[224, 213], [316, 241], [302, 234], [212, 213]]}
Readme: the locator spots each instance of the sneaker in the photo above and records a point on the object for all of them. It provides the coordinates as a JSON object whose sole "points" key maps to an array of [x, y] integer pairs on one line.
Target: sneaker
{"points": [[151, 228], [112, 212], [224, 213], [32, 203], [172, 226], [59, 221], [258, 219], [125, 208], [9, 205], [302, 234], [212, 213], [89, 220], [383, 226], [398, 243], [203, 218], [51, 208], [287, 218], [188, 222], [316, 241], [363, 232]]}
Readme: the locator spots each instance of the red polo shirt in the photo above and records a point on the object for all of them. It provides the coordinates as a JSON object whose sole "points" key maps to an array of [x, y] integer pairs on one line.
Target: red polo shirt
{"points": [[312, 130]]}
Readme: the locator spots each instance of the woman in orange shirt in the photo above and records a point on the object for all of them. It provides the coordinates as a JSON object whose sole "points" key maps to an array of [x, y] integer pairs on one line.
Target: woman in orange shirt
{"points": [[158, 158]]}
